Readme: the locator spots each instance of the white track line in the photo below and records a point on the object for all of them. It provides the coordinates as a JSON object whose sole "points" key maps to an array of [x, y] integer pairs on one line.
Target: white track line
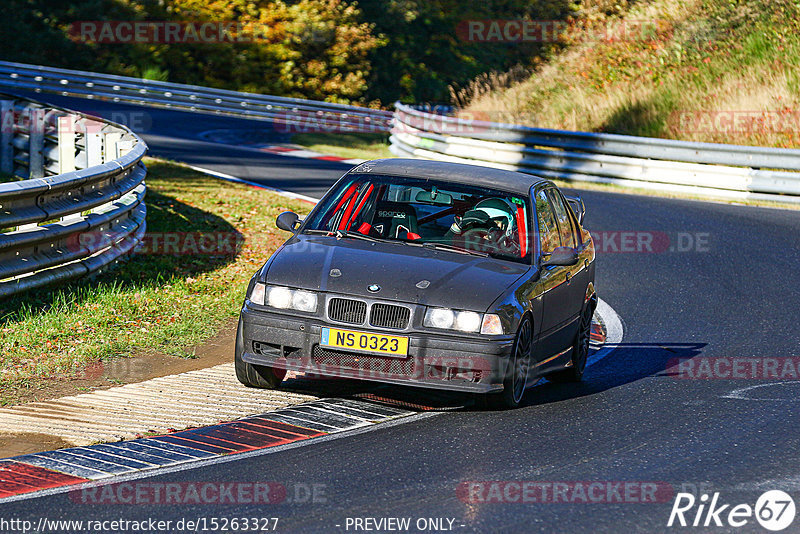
{"points": [[743, 393], [231, 178]]}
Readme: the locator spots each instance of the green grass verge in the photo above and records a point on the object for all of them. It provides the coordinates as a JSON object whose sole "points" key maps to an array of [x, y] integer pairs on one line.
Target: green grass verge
{"points": [[351, 146], [154, 303]]}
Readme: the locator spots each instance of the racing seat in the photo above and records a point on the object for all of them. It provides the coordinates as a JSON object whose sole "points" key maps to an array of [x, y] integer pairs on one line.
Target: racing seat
{"points": [[396, 220]]}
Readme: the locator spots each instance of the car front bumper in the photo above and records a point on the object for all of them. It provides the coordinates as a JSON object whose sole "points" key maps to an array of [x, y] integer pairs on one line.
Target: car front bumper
{"points": [[441, 361]]}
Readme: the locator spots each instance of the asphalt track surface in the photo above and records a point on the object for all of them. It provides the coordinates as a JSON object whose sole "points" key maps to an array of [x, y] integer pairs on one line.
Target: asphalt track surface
{"points": [[630, 421]]}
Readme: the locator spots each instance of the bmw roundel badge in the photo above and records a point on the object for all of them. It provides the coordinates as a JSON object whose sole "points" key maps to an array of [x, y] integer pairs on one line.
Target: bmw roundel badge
{"points": [[374, 288]]}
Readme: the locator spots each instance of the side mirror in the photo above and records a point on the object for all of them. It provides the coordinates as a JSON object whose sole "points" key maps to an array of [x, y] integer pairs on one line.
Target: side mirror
{"points": [[288, 220], [576, 203], [562, 256]]}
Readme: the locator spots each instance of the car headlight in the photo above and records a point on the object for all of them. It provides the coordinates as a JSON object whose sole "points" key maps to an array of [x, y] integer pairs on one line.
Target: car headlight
{"points": [[284, 298], [279, 297], [440, 318], [304, 301], [463, 321], [468, 321]]}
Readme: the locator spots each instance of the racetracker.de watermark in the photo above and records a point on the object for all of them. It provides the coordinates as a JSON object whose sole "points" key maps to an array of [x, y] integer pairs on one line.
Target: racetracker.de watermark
{"points": [[166, 243], [183, 493], [174, 32], [15, 121], [552, 31], [735, 121], [650, 242], [564, 492], [734, 368], [386, 367], [306, 121]]}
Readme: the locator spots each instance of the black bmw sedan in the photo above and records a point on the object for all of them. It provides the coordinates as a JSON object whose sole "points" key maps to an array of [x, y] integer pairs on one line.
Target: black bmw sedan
{"points": [[428, 274]]}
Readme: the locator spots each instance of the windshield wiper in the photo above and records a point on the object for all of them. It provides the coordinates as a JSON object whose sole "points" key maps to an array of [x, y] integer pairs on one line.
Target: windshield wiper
{"points": [[355, 235], [453, 248], [339, 234]]}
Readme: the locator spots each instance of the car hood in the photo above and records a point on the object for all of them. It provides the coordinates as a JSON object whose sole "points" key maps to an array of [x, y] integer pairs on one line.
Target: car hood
{"points": [[454, 280]]}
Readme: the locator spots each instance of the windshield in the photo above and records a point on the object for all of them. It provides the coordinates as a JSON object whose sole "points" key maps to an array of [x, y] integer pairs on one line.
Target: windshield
{"points": [[427, 212]]}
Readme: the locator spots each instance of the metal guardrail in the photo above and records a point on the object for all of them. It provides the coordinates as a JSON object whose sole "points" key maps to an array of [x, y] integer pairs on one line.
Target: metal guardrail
{"points": [[703, 169], [80, 204], [294, 112]]}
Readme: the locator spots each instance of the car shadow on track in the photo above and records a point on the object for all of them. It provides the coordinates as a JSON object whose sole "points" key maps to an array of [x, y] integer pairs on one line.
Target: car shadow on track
{"points": [[629, 362]]}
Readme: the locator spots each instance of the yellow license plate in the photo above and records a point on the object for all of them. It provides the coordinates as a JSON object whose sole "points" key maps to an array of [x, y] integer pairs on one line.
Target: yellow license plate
{"points": [[365, 342]]}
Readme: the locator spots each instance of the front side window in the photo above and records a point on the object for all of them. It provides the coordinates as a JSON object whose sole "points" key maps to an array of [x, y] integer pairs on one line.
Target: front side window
{"points": [[548, 229], [566, 229], [419, 211]]}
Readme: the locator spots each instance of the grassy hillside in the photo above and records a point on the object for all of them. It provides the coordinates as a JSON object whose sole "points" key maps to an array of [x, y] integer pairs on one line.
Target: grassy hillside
{"points": [[715, 70]]}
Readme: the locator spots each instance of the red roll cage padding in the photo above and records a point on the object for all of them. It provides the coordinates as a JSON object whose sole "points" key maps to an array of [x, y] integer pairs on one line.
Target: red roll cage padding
{"points": [[522, 227], [360, 205], [341, 202], [344, 221], [365, 228]]}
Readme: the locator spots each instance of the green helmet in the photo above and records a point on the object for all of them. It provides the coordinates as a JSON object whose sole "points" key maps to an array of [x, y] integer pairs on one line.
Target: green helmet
{"points": [[498, 208]]}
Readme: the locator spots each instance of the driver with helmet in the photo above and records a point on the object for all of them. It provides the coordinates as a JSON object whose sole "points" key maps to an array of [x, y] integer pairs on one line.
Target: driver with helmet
{"points": [[489, 225]]}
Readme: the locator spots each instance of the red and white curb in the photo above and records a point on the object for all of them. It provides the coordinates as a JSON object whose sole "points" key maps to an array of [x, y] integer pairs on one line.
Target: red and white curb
{"points": [[21, 476], [295, 152]]}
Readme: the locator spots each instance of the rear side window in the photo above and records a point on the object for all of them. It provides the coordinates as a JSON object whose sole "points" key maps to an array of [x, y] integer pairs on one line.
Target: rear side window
{"points": [[546, 220], [567, 231]]}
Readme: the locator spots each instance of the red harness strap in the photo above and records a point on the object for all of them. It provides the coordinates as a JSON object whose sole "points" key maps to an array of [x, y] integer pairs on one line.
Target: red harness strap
{"points": [[523, 231]]}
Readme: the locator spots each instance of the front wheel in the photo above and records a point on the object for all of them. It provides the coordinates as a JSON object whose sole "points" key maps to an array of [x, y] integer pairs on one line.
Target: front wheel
{"points": [[254, 376], [514, 384], [580, 350], [257, 376]]}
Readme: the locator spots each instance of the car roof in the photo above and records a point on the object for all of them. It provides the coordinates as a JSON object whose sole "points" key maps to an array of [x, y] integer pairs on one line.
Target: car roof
{"points": [[512, 181]]}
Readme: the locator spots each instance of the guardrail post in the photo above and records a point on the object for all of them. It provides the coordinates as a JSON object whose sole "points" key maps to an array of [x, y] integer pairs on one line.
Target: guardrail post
{"points": [[6, 136], [123, 147], [111, 151], [66, 143], [94, 143], [36, 144]]}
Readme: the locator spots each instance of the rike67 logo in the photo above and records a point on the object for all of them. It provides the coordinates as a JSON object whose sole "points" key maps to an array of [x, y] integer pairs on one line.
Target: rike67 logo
{"points": [[774, 510]]}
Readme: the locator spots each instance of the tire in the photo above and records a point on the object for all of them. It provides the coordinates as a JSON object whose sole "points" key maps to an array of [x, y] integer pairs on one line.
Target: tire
{"points": [[580, 350], [254, 376], [519, 366]]}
